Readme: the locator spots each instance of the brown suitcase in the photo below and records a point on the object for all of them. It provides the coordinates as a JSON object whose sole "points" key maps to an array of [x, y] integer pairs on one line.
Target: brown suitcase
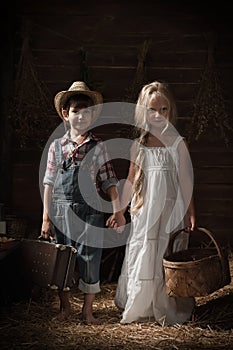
{"points": [[48, 264]]}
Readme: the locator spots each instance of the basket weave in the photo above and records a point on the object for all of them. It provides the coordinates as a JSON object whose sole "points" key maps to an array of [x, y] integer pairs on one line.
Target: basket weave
{"points": [[196, 272]]}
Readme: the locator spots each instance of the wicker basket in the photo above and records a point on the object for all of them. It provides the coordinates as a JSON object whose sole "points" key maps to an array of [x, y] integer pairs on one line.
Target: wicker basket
{"points": [[196, 271]]}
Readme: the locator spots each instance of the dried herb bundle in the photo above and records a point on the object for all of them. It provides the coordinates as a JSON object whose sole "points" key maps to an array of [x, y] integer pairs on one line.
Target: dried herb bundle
{"points": [[139, 80], [133, 91], [209, 107], [31, 103]]}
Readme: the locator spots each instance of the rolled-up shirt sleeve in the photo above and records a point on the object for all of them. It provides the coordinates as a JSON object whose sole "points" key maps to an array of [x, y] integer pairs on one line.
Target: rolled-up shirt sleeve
{"points": [[51, 168], [106, 176]]}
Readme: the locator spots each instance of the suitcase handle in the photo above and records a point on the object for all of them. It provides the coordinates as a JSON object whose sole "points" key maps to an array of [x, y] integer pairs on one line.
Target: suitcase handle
{"points": [[42, 239]]}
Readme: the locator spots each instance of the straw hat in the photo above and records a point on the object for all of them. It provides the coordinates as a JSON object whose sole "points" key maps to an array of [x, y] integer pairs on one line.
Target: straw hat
{"points": [[78, 87]]}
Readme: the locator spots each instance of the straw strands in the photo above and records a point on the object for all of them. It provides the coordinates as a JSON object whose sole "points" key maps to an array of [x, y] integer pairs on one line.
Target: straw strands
{"points": [[30, 325]]}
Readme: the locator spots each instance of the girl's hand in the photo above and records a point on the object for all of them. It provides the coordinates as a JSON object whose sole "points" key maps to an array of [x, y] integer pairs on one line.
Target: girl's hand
{"points": [[116, 221], [190, 222]]}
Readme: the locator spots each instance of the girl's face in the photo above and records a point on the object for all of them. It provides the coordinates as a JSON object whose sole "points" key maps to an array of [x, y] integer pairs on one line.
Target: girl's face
{"points": [[157, 111], [79, 117]]}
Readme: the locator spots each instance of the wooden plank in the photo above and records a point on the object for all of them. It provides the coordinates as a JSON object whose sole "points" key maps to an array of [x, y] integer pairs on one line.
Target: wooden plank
{"points": [[118, 55], [213, 191], [26, 199], [184, 91], [167, 11], [212, 158], [219, 206], [180, 75], [26, 170], [184, 107], [211, 175], [101, 56], [215, 222], [22, 156], [114, 29], [57, 57], [185, 59], [223, 236], [66, 73]]}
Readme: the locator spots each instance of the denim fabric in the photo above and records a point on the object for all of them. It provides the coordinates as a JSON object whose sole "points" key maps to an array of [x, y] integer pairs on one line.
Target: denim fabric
{"points": [[77, 222]]}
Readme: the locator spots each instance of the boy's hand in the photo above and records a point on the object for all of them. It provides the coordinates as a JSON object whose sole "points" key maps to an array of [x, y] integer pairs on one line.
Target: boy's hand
{"points": [[47, 229], [116, 221]]}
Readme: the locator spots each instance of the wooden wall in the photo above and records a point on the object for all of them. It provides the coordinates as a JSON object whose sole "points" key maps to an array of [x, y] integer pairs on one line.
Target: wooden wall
{"points": [[102, 42]]}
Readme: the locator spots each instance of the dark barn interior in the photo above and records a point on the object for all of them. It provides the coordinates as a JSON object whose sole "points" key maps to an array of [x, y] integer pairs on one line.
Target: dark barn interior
{"points": [[115, 47]]}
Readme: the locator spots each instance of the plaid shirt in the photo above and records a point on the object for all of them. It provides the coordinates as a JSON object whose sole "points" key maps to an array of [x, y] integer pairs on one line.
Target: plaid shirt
{"points": [[106, 176]]}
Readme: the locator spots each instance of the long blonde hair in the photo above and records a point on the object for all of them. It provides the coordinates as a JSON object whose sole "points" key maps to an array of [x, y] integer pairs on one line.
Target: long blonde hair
{"points": [[143, 129]]}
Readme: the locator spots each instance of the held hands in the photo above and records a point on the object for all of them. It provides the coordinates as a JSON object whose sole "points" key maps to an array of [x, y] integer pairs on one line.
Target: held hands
{"points": [[116, 221]]}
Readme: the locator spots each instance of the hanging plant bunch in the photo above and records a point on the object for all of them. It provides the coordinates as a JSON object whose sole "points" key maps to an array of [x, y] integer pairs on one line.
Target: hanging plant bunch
{"points": [[209, 108], [31, 106], [139, 80], [137, 84]]}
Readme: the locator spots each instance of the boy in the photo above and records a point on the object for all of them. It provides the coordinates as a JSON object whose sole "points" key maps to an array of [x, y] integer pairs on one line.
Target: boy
{"points": [[68, 212]]}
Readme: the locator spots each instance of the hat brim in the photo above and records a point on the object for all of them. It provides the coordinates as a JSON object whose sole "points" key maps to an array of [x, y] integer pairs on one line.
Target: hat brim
{"points": [[62, 96]]}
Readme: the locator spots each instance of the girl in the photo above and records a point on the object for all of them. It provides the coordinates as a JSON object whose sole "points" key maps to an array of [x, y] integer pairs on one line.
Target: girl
{"points": [[77, 167], [160, 184]]}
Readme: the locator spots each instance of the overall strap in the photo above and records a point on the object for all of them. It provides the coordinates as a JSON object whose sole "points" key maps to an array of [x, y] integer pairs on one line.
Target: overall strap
{"points": [[93, 144], [58, 151], [87, 160]]}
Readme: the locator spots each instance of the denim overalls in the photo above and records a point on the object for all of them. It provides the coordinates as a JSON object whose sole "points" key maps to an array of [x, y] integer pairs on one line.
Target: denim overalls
{"points": [[77, 216]]}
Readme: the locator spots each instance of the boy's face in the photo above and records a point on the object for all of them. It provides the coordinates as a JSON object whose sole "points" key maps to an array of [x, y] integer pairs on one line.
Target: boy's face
{"points": [[79, 116]]}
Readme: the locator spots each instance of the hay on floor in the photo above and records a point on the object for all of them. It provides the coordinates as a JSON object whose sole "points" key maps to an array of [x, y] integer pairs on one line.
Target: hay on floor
{"points": [[29, 325]]}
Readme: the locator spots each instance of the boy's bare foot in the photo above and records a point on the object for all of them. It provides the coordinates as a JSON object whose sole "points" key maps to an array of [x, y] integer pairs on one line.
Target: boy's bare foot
{"points": [[65, 310], [87, 314], [89, 319], [65, 307]]}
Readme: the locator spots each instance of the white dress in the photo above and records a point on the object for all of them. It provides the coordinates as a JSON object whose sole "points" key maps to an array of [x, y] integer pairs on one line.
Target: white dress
{"points": [[141, 287]]}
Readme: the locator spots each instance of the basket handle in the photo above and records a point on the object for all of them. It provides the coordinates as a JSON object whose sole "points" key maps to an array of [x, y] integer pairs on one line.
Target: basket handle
{"points": [[202, 229]]}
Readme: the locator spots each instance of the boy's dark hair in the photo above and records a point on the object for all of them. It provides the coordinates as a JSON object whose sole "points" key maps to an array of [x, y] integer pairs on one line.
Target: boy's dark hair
{"points": [[80, 100]]}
